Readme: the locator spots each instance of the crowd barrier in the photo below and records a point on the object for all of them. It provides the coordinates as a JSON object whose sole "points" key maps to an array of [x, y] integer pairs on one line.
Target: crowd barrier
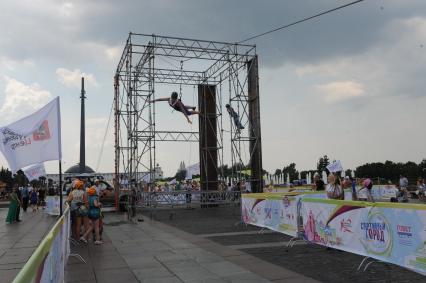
{"points": [[52, 205], [389, 232], [47, 263], [154, 201], [384, 192], [184, 198]]}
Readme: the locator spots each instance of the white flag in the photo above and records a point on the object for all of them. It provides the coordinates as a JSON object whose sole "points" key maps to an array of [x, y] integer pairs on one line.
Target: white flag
{"points": [[35, 171], [192, 170], [33, 139], [336, 166]]}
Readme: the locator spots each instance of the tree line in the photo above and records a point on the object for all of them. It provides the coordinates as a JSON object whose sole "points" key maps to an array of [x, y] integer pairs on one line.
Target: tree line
{"points": [[387, 170], [19, 178]]}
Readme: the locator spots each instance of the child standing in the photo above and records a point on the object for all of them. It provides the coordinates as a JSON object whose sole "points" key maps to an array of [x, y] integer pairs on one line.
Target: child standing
{"points": [[33, 200]]}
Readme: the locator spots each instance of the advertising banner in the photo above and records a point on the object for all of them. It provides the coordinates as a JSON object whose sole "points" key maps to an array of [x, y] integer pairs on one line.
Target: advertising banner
{"points": [[47, 263], [277, 212], [53, 269], [52, 205], [192, 170], [389, 232], [384, 192]]}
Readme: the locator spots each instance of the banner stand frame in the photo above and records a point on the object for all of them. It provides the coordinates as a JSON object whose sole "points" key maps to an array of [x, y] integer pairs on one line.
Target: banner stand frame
{"points": [[60, 188]]}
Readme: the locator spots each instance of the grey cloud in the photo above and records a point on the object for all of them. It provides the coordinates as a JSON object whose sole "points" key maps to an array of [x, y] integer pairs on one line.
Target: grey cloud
{"points": [[352, 30]]}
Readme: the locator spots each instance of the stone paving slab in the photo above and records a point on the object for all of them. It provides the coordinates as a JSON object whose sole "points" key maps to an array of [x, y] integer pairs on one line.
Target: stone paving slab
{"points": [[153, 252], [19, 240], [211, 252], [313, 261]]}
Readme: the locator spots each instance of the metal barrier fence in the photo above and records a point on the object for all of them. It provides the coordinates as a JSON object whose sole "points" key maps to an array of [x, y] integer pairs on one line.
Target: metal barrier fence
{"points": [[152, 201], [47, 263], [379, 231]]}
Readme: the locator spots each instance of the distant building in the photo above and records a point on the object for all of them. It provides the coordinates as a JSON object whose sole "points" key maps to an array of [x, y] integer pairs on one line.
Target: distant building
{"points": [[182, 167], [158, 172]]}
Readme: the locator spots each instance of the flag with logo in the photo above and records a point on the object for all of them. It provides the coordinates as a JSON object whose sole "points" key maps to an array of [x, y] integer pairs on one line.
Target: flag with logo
{"points": [[34, 172], [33, 139], [336, 166]]}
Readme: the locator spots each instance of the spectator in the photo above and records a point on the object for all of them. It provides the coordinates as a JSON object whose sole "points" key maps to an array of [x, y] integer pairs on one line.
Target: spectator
{"points": [[364, 193], [421, 189], [334, 190], [18, 209], [188, 195], [78, 202], [346, 183], [33, 200], [25, 197], [318, 184], [353, 186], [403, 184], [41, 195], [94, 214], [98, 187], [247, 187], [166, 187], [12, 214]]}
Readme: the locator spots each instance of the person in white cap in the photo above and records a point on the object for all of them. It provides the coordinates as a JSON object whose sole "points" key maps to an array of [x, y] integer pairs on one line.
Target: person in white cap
{"points": [[97, 186]]}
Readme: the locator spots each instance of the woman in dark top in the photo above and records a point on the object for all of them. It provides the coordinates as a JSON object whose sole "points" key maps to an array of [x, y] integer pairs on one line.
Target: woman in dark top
{"points": [[318, 183], [178, 105]]}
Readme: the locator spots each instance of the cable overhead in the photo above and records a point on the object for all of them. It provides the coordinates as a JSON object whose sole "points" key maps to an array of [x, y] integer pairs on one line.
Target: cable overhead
{"points": [[301, 21], [103, 141]]}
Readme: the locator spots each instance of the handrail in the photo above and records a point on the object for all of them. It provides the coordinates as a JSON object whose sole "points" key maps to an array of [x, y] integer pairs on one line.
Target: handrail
{"points": [[29, 271]]}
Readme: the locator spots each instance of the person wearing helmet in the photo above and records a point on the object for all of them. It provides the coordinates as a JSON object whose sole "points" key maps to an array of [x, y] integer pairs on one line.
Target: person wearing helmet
{"points": [[78, 203], [94, 214], [97, 186], [178, 105], [234, 115]]}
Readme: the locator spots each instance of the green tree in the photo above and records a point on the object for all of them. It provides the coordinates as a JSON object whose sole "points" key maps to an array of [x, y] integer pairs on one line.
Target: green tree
{"points": [[6, 176], [180, 175], [348, 172], [291, 170], [20, 178], [422, 168], [322, 164]]}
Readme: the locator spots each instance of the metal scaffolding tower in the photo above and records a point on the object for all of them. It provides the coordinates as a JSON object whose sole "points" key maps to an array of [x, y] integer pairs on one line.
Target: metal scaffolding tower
{"points": [[224, 73]]}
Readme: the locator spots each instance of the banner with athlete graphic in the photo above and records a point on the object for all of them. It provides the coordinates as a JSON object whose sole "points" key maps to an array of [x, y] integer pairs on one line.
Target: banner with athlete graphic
{"points": [[390, 232]]}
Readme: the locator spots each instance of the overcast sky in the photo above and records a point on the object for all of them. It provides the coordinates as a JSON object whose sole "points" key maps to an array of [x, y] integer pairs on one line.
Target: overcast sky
{"points": [[350, 84]]}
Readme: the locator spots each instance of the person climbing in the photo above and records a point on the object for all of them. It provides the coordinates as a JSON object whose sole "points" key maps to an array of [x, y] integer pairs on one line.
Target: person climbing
{"points": [[234, 116], [178, 105]]}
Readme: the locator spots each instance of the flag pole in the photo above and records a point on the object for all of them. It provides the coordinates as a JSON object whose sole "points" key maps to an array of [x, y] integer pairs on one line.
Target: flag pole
{"points": [[60, 188]]}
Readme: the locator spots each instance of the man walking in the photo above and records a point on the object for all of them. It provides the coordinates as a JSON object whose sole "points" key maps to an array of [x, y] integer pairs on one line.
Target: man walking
{"points": [[403, 184], [18, 209], [25, 197]]}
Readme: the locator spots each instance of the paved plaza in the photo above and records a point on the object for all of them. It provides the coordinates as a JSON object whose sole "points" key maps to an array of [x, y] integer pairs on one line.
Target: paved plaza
{"points": [[150, 251], [313, 261], [19, 240], [197, 245]]}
